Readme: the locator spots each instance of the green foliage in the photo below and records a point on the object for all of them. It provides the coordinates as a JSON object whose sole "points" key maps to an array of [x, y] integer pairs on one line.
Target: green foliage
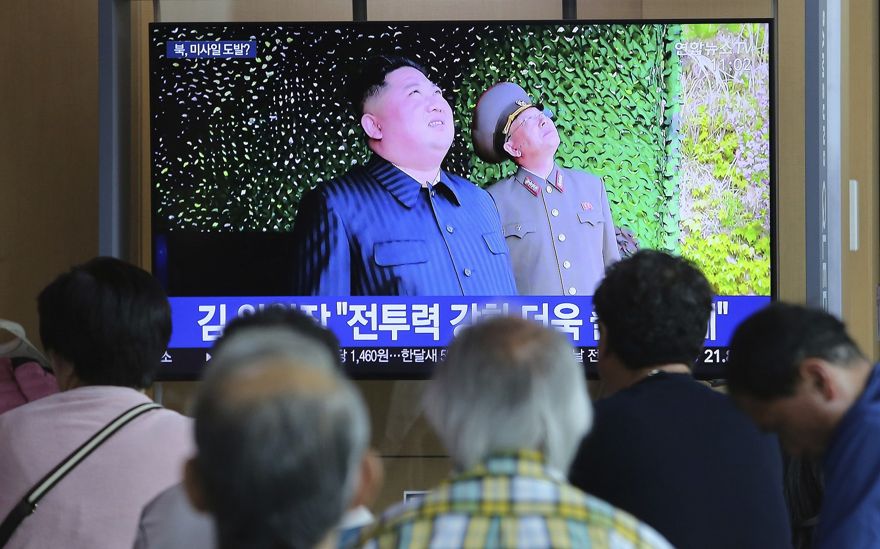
{"points": [[734, 262], [709, 31], [614, 92], [725, 159]]}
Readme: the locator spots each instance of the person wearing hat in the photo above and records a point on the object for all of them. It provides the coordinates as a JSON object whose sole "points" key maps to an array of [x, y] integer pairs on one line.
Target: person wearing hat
{"points": [[400, 225], [556, 221]]}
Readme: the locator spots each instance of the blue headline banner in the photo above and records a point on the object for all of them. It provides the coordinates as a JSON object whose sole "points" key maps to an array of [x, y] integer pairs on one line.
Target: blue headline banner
{"points": [[206, 49], [424, 321]]}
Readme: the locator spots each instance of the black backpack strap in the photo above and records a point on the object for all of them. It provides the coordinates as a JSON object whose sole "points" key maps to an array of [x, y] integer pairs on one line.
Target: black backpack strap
{"points": [[29, 502]]}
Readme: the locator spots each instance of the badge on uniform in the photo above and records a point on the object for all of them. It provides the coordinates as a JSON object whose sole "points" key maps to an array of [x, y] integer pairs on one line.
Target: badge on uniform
{"points": [[558, 183], [587, 206], [531, 186]]}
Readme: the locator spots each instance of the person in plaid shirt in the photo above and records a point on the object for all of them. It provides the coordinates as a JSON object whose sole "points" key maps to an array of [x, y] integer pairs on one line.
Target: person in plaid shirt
{"points": [[510, 404]]}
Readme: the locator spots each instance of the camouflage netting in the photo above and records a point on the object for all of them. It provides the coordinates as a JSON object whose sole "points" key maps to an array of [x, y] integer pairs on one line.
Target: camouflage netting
{"points": [[614, 93], [236, 142]]}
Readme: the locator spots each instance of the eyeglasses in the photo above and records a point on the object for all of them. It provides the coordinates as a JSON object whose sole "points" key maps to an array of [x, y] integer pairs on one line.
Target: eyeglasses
{"points": [[523, 106], [539, 113], [527, 120]]}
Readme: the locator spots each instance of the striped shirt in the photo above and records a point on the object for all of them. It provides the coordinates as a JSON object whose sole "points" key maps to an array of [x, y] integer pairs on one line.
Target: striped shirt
{"points": [[511, 500], [377, 231]]}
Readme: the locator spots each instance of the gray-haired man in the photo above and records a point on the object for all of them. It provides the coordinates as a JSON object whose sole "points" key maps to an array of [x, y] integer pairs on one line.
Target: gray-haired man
{"points": [[556, 221], [169, 521], [281, 441], [510, 405]]}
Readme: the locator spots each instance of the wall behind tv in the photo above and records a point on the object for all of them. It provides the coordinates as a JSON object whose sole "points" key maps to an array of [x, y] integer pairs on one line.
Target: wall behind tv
{"points": [[48, 147]]}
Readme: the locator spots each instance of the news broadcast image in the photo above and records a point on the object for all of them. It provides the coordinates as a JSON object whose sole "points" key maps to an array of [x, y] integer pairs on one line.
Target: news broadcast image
{"points": [[246, 118]]}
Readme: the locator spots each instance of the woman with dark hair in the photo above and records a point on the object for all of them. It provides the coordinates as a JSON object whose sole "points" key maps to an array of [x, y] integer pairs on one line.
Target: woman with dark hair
{"points": [[105, 326]]}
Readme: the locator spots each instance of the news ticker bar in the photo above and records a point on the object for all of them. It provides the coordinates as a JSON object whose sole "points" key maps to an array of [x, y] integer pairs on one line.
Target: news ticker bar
{"points": [[406, 362], [424, 322]]}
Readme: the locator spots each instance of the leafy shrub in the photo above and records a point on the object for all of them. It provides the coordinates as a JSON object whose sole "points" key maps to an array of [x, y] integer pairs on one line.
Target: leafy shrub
{"points": [[725, 157]]}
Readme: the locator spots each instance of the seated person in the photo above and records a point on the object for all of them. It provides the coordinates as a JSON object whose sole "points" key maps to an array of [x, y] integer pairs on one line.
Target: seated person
{"points": [[169, 521], [665, 447], [797, 372], [281, 442], [510, 405], [105, 325]]}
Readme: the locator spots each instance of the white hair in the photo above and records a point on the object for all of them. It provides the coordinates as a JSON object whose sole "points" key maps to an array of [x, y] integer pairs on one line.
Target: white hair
{"points": [[509, 384]]}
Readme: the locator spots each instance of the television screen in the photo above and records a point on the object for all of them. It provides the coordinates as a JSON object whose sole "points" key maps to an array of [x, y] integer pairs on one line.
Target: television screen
{"points": [[266, 192]]}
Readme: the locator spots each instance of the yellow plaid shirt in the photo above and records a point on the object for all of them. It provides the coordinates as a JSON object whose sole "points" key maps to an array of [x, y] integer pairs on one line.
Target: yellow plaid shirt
{"points": [[511, 500]]}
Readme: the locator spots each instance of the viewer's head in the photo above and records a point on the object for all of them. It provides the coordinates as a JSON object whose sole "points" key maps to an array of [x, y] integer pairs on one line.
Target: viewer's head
{"points": [[281, 440], [509, 384], [507, 124], [108, 321], [404, 115], [285, 319], [653, 310], [794, 369]]}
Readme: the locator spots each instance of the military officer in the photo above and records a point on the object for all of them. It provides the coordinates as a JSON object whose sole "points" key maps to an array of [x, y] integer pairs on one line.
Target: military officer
{"points": [[556, 221]]}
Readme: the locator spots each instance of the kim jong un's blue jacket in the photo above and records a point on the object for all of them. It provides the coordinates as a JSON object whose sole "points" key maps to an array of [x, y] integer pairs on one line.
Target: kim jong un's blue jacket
{"points": [[377, 231]]}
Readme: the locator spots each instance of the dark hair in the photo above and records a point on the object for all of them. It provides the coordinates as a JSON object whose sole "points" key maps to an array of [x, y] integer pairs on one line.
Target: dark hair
{"points": [[109, 319], [370, 78], [655, 309], [282, 317], [767, 348]]}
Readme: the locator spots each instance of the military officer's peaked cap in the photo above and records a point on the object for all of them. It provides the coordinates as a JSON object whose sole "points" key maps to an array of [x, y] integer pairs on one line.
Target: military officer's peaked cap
{"points": [[496, 110]]}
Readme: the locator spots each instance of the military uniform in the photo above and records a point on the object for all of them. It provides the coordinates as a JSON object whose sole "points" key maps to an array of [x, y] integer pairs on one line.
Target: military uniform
{"points": [[559, 231]]}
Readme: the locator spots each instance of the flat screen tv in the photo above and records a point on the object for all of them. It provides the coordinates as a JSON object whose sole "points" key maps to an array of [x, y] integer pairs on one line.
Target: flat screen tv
{"points": [[674, 117]]}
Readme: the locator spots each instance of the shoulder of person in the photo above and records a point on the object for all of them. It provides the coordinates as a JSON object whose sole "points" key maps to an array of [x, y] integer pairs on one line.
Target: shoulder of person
{"points": [[619, 407], [502, 186], [460, 181], [340, 189], [173, 416], [388, 523], [615, 518]]}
